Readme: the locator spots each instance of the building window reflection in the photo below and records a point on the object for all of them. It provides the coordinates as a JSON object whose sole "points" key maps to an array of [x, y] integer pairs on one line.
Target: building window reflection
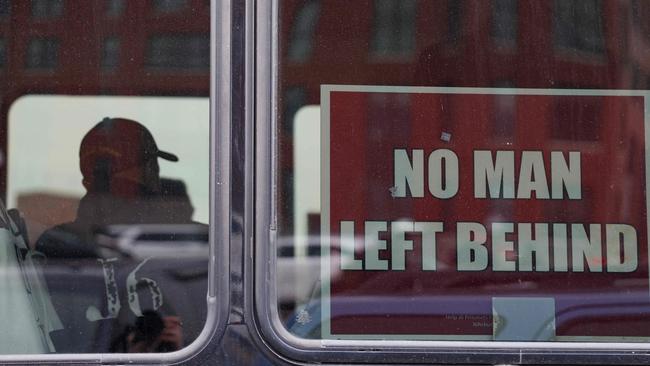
{"points": [[168, 6], [302, 34], [110, 53], [504, 22], [578, 25], [42, 53], [5, 8], [47, 8], [454, 21], [577, 119], [294, 99], [179, 52], [505, 109], [114, 8], [393, 28], [3, 54]]}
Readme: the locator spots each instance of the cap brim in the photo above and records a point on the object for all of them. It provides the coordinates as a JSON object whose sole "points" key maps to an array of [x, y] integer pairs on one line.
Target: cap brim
{"points": [[167, 156]]}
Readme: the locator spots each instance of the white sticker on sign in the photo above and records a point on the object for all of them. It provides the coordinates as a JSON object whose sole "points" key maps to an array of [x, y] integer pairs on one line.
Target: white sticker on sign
{"points": [[523, 318]]}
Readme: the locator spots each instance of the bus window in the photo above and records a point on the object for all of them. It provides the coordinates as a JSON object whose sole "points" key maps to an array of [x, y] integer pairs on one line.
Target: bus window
{"points": [[472, 174], [105, 120]]}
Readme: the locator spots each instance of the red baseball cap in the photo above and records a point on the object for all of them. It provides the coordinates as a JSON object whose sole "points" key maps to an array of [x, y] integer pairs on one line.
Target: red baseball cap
{"points": [[126, 143]]}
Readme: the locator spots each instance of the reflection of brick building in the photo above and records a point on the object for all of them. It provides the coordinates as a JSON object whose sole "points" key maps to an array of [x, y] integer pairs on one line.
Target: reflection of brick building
{"points": [[45, 210], [93, 47], [471, 43], [563, 44], [468, 43]]}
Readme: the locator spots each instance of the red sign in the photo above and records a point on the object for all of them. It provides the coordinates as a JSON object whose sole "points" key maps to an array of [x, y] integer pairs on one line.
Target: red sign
{"points": [[464, 213]]}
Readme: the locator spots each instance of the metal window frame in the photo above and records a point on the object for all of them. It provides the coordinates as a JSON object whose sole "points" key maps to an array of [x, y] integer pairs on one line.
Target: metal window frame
{"points": [[218, 296], [267, 326]]}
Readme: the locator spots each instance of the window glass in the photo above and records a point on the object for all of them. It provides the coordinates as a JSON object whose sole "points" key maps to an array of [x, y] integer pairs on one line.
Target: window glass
{"points": [[5, 7], [111, 53], [114, 8], [504, 22], [47, 8], [303, 31], [3, 53], [393, 28], [42, 53], [165, 6], [104, 176], [578, 25], [454, 20], [460, 192], [172, 51]]}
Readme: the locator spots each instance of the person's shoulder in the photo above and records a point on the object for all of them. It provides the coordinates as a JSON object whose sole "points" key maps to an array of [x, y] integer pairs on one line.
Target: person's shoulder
{"points": [[65, 240], [58, 232]]}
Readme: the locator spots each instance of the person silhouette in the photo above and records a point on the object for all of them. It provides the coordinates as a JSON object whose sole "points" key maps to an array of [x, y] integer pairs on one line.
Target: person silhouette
{"points": [[118, 159]]}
